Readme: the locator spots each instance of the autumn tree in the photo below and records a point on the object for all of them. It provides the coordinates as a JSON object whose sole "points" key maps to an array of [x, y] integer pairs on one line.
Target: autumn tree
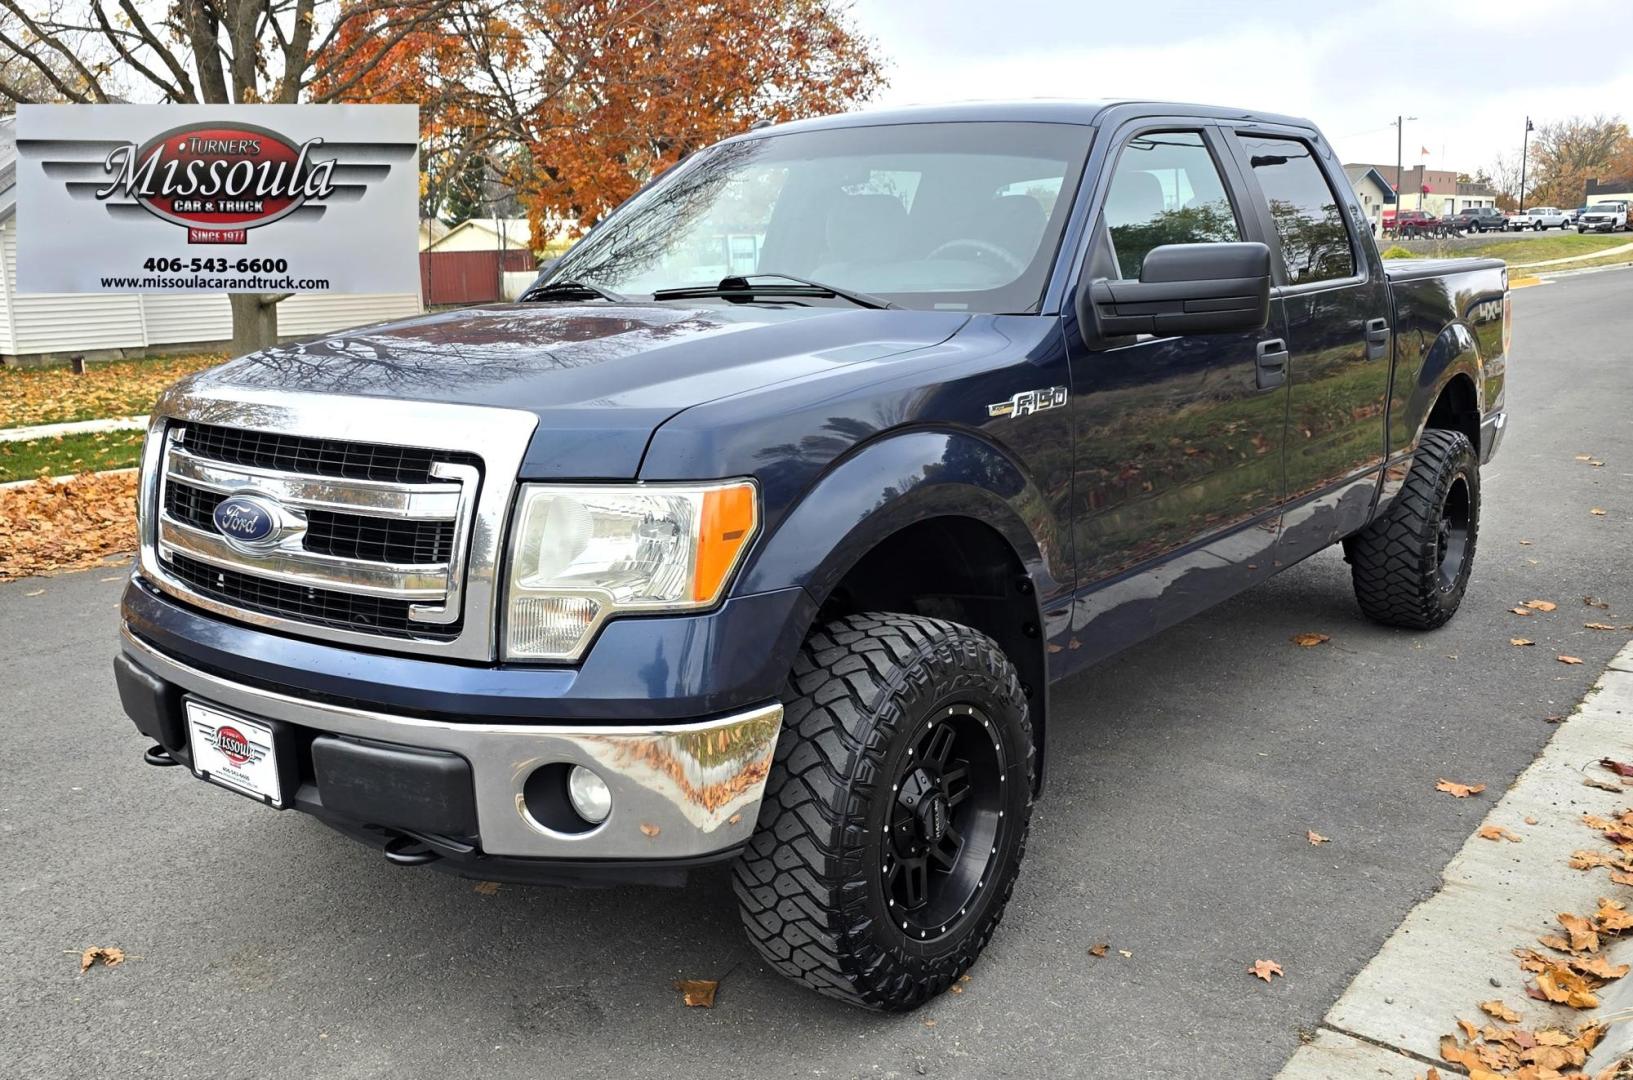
{"points": [[207, 52], [1567, 154], [589, 99]]}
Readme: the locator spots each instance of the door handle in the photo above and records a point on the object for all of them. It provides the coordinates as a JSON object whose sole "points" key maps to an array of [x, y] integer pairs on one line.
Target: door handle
{"points": [[1271, 369], [1377, 337]]}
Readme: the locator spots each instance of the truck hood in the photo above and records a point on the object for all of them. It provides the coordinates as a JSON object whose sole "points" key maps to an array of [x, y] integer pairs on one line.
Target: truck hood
{"points": [[601, 378]]}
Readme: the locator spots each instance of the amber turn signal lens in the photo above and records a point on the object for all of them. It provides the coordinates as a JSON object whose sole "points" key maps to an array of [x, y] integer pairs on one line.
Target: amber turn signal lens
{"points": [[726, 527]]}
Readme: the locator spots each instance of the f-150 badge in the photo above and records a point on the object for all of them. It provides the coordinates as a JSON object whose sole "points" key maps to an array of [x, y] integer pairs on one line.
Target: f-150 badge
{"points": [[1029, 401]]}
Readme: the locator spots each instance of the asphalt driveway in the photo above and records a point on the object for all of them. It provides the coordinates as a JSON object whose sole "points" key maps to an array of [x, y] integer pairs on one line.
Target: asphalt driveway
{"points": [[1184, 776]]}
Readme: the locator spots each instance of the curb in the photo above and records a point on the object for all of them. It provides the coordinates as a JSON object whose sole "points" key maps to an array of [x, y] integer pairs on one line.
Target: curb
{"points": [[1453, 948], [76, 427]]}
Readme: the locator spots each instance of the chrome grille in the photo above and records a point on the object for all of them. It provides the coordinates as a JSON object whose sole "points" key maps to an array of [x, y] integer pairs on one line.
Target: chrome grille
{"points": [[372, 541], [318, 457], [321, 607]]}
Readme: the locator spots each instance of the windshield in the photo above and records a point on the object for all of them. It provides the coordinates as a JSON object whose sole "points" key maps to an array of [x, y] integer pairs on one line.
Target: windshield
{"points": [[958, 216]]}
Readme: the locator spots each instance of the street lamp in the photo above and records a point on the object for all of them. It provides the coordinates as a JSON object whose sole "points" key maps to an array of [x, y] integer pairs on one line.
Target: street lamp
{"points": [[1525, 147]]}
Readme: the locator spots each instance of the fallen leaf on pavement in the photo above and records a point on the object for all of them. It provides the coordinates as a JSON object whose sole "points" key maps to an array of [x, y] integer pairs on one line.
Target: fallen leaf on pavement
{"points": [[1525, 543], [1498, 832], [1098, 950], [1584, 457], [1599, 967], [1520, 641], [486, 888], [1596, 512], [1594, 601], [1612, 917], [1557, 718], [1620, 768], [1541, 605], [1529, 820], [1316, 838], [651, 830], [1584, 938], [1502, 1012], [1310, 640], [1264, 969], [1602, 785], [1125, 954], [1597, 626], [109, 956], [1520, 610], [1563, 986], [1563, 659], [698, 993], [1458, 791]]}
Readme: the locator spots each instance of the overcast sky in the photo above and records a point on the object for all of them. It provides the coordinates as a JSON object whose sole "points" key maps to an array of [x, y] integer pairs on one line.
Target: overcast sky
{"points": [[1469, 70]]}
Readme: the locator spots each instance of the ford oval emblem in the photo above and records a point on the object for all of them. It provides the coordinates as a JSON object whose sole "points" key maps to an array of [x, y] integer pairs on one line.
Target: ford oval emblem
{"points": [[246, 520]]}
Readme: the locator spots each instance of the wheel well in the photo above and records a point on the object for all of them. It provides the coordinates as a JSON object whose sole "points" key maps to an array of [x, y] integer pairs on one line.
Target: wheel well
{"points": [[1457, 409], [962, 570]]}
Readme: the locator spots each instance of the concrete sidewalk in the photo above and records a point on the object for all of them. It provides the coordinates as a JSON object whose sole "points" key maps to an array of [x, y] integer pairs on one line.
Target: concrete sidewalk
{"points": [[77, 427], [1454, 950]]}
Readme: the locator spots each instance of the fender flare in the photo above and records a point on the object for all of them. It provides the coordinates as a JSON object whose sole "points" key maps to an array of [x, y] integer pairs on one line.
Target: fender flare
{"points": [[897, 480], [1454, 352], [902, 479]]}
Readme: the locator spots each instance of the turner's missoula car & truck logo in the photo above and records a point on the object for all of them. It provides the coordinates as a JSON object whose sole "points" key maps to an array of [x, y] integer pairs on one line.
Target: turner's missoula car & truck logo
{"points": [[220, 179]]}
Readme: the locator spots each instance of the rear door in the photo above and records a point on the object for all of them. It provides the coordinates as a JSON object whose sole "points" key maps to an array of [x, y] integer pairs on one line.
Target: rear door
{"points": [[1335, 302]]}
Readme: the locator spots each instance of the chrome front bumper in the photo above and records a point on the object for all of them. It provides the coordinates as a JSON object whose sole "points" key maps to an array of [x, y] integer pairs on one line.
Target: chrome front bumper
{"points": [[678, 790]]}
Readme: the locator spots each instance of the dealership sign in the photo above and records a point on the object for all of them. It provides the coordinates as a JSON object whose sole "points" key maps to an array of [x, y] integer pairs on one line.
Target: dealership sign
{"points": [[206, 198]]}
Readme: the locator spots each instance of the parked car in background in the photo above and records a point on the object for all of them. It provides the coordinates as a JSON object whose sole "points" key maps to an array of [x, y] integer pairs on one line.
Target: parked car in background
{"points": [[1603, 217], [1410, 223], [1576, 215], [1547, 217], [1477, 219], [1518, 220]]}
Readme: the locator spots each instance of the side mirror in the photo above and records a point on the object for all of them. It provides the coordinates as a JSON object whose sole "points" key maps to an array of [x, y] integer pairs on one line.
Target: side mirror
{"points": [[1183, 289]]}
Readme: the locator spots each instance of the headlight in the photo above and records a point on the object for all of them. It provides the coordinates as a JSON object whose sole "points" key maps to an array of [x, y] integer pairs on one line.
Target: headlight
{"points": [[579, 554]]}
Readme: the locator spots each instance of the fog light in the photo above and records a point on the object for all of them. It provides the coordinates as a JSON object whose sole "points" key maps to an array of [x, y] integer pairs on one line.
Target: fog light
{"points": [[591, 797]]}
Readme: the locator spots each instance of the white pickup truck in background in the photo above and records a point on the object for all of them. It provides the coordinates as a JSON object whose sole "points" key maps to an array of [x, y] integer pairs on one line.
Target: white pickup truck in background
{"points": [[1603, 217], [1540, 218]]}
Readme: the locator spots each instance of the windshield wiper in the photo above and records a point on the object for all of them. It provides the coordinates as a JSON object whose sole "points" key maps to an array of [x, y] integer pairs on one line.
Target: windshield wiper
{"points": [[571, 290], [738, 286]]}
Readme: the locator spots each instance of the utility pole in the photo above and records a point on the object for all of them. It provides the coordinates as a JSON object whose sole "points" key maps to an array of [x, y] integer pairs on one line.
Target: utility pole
{"points": [[1400, 131], [1525, 148]]}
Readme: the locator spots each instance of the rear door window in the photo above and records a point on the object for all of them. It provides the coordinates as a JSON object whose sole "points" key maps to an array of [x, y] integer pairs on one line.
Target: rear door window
{"points": [[1305, 212]]}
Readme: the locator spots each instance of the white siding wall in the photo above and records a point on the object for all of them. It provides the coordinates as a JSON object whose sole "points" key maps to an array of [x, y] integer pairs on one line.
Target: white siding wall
{"points": [[64, 323], [8, 268], [177, 318], [317, 313]]}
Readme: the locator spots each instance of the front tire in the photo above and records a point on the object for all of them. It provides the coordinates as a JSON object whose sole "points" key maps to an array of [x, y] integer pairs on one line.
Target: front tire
{"points": [[1411, 567], [896, 813]]}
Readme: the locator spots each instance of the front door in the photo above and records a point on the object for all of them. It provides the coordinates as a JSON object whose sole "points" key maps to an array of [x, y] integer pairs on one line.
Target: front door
{"points": [[1178, 461], [1335, 301]]}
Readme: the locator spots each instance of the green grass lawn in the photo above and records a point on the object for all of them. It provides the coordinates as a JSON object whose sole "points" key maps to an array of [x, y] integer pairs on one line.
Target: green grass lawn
{"points": [[70, 454], [1549, 246]]}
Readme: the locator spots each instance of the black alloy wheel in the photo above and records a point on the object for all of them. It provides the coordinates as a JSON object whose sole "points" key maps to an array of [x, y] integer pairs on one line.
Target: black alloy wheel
{"points": [[945, 824]]}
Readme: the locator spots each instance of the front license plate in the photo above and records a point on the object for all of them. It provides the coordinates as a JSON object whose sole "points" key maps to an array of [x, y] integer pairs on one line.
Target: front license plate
{"points": [[234, 752]]}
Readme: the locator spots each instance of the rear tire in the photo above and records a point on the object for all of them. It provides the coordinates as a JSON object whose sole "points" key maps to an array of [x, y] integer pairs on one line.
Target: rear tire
{"points": [[1411, 567], [896, 812]]}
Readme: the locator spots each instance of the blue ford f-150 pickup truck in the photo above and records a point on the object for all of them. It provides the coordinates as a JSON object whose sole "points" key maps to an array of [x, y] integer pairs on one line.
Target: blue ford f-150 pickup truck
{"points": [[760, 529]]}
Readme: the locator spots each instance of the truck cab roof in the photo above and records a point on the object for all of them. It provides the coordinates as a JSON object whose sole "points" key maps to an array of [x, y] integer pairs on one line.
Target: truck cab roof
{"points": [[1086, 112]]}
